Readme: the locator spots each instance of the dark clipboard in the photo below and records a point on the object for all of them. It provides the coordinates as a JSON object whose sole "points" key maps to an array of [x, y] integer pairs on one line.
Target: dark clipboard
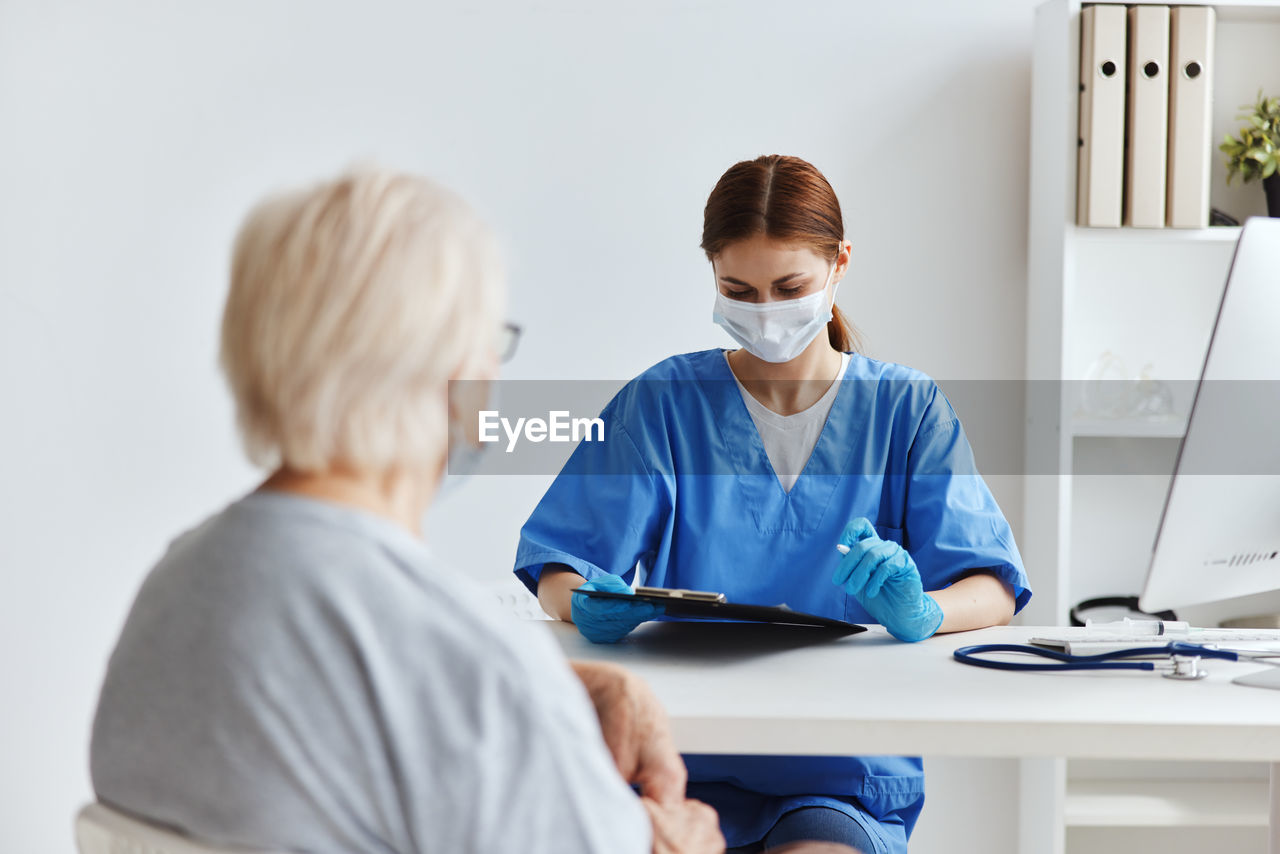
{"points": [[702, 605]]}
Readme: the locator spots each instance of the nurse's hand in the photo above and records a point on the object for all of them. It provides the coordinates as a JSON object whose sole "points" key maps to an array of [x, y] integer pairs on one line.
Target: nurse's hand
{"points": [[636, 730], [884, 579], [609, 620], [688, 827]]}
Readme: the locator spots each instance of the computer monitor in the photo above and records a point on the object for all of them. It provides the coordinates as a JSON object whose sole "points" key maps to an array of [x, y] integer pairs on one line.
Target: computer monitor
{"points": [[1219, 535]]}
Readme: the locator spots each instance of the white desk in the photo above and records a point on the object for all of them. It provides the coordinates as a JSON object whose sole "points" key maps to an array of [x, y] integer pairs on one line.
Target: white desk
{"points": [[740, 689]]}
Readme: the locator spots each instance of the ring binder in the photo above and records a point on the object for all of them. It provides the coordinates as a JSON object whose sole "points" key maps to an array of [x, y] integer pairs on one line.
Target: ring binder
{"points": [[1100, 174], [1191, 30], [1146, 160]]}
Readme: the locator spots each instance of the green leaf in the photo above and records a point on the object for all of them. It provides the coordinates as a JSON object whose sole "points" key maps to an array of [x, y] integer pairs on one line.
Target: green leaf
{"points": [[1256, 153]]}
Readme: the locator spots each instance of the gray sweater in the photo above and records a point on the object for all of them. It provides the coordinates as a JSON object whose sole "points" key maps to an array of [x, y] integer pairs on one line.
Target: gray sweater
{"points": [[299, 675]]}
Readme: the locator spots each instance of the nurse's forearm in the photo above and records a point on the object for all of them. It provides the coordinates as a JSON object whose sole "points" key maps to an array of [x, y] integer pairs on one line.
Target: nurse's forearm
{"points": [[555, 587], [975, 602]]}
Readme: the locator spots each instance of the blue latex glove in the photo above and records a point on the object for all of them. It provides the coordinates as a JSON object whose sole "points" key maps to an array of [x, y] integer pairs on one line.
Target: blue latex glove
{"points": [[884, 579], [608, 620]]}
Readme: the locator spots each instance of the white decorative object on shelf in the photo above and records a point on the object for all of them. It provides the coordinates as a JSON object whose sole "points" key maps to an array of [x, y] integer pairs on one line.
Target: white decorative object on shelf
{"points": [[1110, 393], [1105, 392]]}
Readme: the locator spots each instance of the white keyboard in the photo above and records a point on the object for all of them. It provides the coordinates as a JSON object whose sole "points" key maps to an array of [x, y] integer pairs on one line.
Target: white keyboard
{"points": [[512, 597], [1192, 635], [1086, 640]]}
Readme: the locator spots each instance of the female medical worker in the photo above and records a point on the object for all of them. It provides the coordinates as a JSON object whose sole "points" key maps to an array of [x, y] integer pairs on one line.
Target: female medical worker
{"points": [[741, 471]]}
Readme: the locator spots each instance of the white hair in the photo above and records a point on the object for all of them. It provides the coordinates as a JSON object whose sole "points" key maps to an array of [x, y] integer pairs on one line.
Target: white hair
{"points": [[352, 305]]}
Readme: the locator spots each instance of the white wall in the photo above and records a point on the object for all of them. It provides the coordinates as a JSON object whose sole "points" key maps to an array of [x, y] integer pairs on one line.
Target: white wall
{"points": [[133, 136]]}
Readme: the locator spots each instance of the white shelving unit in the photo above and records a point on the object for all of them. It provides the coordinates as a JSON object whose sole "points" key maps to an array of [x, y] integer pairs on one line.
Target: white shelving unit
{"points": [[1122, 428], [1167, 803], [1130, 236], [1095, 486]]}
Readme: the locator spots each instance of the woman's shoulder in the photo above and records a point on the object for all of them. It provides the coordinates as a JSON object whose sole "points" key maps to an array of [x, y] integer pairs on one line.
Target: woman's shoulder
{"points": [[863, 367], [449, 623], [342, 579], [700, 364], [669, 382], [909, 392]]}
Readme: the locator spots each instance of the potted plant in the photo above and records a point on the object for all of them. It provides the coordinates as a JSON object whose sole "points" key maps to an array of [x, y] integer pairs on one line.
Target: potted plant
{"points": [[1256, 154]]}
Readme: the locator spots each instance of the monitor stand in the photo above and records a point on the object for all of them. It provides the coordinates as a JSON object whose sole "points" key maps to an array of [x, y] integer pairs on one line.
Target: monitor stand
{"points": [[1269, 678]]}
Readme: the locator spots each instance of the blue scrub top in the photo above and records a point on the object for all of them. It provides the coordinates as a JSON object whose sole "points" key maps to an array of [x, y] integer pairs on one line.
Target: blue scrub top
{"points": [[892, 450]]}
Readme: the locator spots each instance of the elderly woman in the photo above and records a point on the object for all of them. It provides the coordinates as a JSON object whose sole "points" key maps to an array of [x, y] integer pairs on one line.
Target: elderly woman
{"points": [[298, 672]]}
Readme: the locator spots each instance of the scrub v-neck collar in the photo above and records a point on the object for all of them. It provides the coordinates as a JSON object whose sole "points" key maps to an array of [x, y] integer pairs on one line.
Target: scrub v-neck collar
{"points": [[774, 508]]}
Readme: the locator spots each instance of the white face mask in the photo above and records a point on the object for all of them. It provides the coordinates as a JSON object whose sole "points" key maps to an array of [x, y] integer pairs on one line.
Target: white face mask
{"points": [[464, 456], [776, 331]]}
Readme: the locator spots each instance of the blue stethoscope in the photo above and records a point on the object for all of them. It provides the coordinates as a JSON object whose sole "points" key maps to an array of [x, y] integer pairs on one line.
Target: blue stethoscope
{"points": [[1183, 658]]}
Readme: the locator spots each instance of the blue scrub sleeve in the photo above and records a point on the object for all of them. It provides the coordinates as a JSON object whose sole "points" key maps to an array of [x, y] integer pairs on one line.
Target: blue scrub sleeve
{"points": [[602, 514], [953, 525]]}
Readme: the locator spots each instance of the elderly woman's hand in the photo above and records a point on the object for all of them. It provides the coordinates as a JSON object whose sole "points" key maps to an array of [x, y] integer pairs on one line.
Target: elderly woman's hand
{"points": [[686, 827], [636, 730]]}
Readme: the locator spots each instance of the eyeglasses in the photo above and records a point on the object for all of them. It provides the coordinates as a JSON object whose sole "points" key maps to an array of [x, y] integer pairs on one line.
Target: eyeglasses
{"points": [[508, 338]]}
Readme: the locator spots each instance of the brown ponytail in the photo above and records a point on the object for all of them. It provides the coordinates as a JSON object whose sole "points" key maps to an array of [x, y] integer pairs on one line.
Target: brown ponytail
{"points": [[787, 199]]}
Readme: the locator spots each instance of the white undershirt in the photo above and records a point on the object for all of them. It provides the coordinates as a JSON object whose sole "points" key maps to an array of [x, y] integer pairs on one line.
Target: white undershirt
{"points": [[789, 439]]}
